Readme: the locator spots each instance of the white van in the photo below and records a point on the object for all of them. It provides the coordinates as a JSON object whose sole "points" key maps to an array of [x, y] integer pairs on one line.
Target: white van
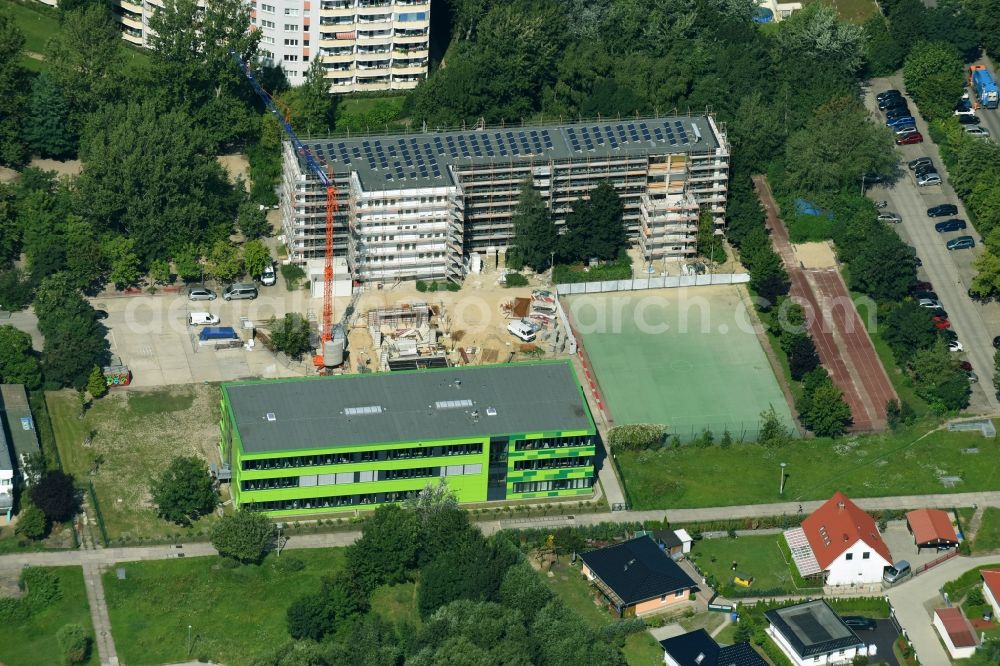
{"points": [[521, 331], [202, 319]]}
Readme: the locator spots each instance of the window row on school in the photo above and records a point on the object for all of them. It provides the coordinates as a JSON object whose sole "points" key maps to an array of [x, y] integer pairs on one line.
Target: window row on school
{"points": [[287, 462], [368, 476]]}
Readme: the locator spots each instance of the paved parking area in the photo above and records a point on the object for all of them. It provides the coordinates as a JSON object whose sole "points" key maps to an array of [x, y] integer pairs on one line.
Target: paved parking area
{"points": [[950, 273], [150, 334], [901, 545]]}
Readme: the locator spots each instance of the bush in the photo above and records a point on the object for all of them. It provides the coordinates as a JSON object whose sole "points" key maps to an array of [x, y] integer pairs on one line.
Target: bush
{"points": [[32, 523], [619, 270], [12, 610], [421, 286], [55, 495], [515, 280], [452, 286], [244, 536], [74, 642], [288, 564], [292, 274], [40, 586], [433, 286], [636, 436]]}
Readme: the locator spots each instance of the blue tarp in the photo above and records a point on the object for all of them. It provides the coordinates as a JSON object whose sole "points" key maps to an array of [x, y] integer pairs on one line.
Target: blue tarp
{"points": [[218, 333], [803, 207]]}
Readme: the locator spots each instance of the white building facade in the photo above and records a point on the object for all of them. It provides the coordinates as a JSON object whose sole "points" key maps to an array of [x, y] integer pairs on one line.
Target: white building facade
{"points": [[859, 564]]}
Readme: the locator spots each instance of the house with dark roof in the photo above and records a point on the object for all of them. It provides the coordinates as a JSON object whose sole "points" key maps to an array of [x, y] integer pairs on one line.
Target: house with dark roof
{"points": [[991, 589], [840, 541], [812, 633], [956, 632], [697, 648], [931, 528], [637, 577]]}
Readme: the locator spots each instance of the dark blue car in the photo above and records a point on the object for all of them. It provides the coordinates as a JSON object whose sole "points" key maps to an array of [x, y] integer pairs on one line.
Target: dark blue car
{"points": [[949, 225], [899, 122]]}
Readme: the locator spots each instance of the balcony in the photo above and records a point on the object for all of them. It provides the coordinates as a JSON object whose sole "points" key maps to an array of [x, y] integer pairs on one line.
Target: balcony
{"points": [[328, 5], [337, 21]]}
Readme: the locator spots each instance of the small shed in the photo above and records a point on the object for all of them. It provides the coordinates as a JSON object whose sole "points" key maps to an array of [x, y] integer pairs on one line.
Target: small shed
{"points": [[674, 542], [931, 528], [956, 632]]}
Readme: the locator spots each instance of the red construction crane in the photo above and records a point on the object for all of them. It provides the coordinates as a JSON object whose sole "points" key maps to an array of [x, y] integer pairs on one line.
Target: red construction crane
{"points": [[325, 177]]}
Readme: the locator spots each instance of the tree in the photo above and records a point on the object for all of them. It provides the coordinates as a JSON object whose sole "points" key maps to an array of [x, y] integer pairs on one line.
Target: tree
{"points": [[934, 78], [256, 257], [55, 494], [818, 31], [225, 261], [311, 103], [15, 290], [534, 233], [163, 197], [387, 549], [773, 431], [524, 591], [97, 386], [594, 227], [768, 278], [310, 616], [48, 129], [252, 221], [802, 357], [84, 255], [884, 267], [13, 86], [291, 335], [159, 271], [120, 252], [882, 52], [32, 523], [709, 245], [939, 379], [244, 536], [822, 408], [187, 261], [183, 492], [18, 361], [75, 643], [74, 341], [908, 328]]}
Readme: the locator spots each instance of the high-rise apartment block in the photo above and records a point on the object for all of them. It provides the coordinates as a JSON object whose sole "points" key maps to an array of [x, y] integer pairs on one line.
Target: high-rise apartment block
{"points": [[414, 206]]}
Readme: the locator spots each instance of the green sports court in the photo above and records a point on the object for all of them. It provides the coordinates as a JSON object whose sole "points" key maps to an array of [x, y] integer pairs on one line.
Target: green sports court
{"points": [[685, 358]]}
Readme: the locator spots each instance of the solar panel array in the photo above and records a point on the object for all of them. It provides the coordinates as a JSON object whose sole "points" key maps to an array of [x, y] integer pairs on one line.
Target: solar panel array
{"points": [[393, 159]]}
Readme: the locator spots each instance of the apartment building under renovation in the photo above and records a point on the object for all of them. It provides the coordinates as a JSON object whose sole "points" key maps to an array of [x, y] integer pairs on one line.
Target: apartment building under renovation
{"points": [[413, 206]]}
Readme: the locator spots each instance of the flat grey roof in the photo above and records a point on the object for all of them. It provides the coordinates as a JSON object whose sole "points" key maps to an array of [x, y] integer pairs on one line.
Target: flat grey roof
{"points": [[16, 412], [421, 405], [404, 161], [813, 628]]}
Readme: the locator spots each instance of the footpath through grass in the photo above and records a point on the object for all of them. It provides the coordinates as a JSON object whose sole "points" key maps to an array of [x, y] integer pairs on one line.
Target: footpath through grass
{"points": [[126, 439], [236, 615], [33, 640], [641, 649], [895, 463]]}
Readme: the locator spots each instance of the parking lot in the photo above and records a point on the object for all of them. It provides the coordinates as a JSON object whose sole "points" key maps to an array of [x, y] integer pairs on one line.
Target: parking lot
{"points": [[950, 272], [150, 333]]}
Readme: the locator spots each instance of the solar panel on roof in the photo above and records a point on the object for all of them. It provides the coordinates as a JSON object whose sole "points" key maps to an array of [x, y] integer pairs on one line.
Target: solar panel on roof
{"points": [[454, 151], [413, 174], [365, 143], [489, 151]]}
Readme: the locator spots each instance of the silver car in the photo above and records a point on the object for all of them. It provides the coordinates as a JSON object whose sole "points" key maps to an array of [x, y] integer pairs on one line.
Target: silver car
{"points": [[201, 294], [976, 130], [928, 179]]}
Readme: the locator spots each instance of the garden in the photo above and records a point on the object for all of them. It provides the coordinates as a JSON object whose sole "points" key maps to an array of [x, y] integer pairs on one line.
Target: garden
{"points": [[759, 560]]}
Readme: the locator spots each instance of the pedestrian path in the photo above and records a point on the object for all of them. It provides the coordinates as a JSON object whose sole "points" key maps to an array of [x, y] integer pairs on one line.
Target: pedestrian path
{"points": [[99, 614]]}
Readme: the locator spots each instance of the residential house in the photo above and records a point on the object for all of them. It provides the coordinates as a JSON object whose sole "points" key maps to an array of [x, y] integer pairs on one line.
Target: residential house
{"points": [[697, 648], [931, 528], [637, 577], [842, 542], [811, 633], [956, 632], [991, 589]]}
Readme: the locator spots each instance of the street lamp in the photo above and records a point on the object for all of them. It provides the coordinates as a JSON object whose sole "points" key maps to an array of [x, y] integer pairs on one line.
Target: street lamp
{"points": [[281, 540], [190, 645], [781, 482]]}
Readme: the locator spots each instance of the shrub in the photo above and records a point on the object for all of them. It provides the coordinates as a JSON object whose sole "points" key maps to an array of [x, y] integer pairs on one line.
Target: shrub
{"points": [[244, 536], [452, 286], [515, 280], [636, 436], [433, 286], [41, 587], [12, 610], [32, 523], [421, 286], [74, 642]]}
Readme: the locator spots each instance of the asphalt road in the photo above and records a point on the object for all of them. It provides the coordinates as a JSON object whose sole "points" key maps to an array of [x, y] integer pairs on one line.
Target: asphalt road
{"points": [[950, 272]]}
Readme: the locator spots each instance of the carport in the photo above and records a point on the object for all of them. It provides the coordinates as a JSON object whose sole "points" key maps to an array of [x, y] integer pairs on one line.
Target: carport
{"points": [[931, 528]]}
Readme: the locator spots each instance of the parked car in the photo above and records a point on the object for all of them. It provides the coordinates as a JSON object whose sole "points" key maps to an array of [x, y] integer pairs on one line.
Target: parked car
{"points": [[268, 276], [900, 121], [925, 294], [948, 335], [897, 572], [942, 210], [940, 323], [931, 178], [522, 331], [953, 224], [897, 111], [923, 286], [976, 130], [100, 315], [932, 303], [961, 243], [890, 217], [996, 342], [201, 294], [973, 377], [920, 161], [966, 366], [955, 346], [925, 169], [905, 130], [968, 120], [964, 107], [886, 94], [240, 291], [859, 622], [909, 139]]}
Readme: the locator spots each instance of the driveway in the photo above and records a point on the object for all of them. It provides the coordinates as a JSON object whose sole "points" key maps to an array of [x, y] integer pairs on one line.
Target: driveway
{"points": [[882, 637], [951, 273]]}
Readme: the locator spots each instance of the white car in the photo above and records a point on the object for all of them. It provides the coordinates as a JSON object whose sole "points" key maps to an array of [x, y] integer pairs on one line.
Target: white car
{"points": [[890, 217], [269, 277], [976, 130], [929, 303], [955, 346], [522, 331]]}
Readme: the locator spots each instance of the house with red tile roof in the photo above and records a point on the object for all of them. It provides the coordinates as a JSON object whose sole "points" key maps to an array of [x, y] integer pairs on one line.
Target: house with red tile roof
{"points": [[956, 632], [840, 541], [991, 589]]}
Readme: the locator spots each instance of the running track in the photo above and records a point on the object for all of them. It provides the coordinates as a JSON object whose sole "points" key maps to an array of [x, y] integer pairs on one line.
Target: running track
{"points": [[841, 339]]}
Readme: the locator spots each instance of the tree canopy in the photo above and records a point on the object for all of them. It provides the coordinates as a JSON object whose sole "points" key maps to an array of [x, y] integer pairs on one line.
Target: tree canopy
{"points": [[183, 493]]}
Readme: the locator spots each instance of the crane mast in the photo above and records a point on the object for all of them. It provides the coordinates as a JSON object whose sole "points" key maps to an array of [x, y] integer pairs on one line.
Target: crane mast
{"points": [[326, 332]]}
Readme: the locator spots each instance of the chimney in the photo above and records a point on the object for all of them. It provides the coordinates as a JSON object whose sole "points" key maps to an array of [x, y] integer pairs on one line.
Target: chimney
{"points": [[841, 505]]}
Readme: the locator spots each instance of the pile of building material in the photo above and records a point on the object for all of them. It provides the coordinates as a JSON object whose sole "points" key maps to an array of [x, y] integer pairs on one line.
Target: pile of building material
{"points": [[406, 337]]}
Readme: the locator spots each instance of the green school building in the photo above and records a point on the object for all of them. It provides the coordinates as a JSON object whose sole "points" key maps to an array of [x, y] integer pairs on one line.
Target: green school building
{"points": [[321, 444]]}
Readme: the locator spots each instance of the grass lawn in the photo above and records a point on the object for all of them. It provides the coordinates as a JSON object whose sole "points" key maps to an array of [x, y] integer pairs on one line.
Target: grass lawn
{"points": [[855, 11], [134, 436], [37, 23], [397, 603], [237, 614], [988, 537], [33, 641], [641, 649], [757, 556], [905, 462], [728, 635], [361, 105]]}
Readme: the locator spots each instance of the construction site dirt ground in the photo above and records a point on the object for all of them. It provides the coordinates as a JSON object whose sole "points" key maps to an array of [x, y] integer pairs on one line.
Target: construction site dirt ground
{"points": [[686, 358]]}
